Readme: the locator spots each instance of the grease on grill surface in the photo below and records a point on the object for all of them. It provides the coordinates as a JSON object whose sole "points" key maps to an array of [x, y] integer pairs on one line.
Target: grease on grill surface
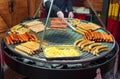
{"points": [[61, 52]]}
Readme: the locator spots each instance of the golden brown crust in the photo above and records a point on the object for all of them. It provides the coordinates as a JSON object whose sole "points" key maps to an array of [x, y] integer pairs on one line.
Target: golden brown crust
{"points": [[94, 45], [97, 36], [87, 44], [29, 48], [77, 42], [80, 32], [91, 46]]}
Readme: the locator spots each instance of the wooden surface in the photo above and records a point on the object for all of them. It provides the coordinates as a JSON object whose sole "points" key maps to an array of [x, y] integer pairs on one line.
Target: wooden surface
{"points": [[3, 27], [5, 11], [12, 12], [20, 11]]}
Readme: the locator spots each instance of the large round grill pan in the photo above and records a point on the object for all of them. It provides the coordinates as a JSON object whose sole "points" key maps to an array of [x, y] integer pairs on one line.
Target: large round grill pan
{"points": [[63, 38]]}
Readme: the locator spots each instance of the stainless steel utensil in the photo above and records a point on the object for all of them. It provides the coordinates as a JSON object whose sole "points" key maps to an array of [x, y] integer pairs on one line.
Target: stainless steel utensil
{"points": [[46, 24], [69, 24]]}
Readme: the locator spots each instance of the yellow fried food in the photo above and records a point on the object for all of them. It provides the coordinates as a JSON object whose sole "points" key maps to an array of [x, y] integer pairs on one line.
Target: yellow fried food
{"points": [[19, 29], [74, 22], [54, 52], [91, 46]]}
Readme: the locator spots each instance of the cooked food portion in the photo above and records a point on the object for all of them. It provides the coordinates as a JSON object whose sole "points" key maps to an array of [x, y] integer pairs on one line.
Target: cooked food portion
{"points": [[28, 48], [80, 30], [31, 45], [16, 27], [24, 49], [19, 38], [74, 22], [91, 26], [98, 36], [19, 29], [81, 27], [90, 46], [21, 52], [61, 51], [57, 23], [77, 42], [32, 23], [36, 26], [85, 26]]}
